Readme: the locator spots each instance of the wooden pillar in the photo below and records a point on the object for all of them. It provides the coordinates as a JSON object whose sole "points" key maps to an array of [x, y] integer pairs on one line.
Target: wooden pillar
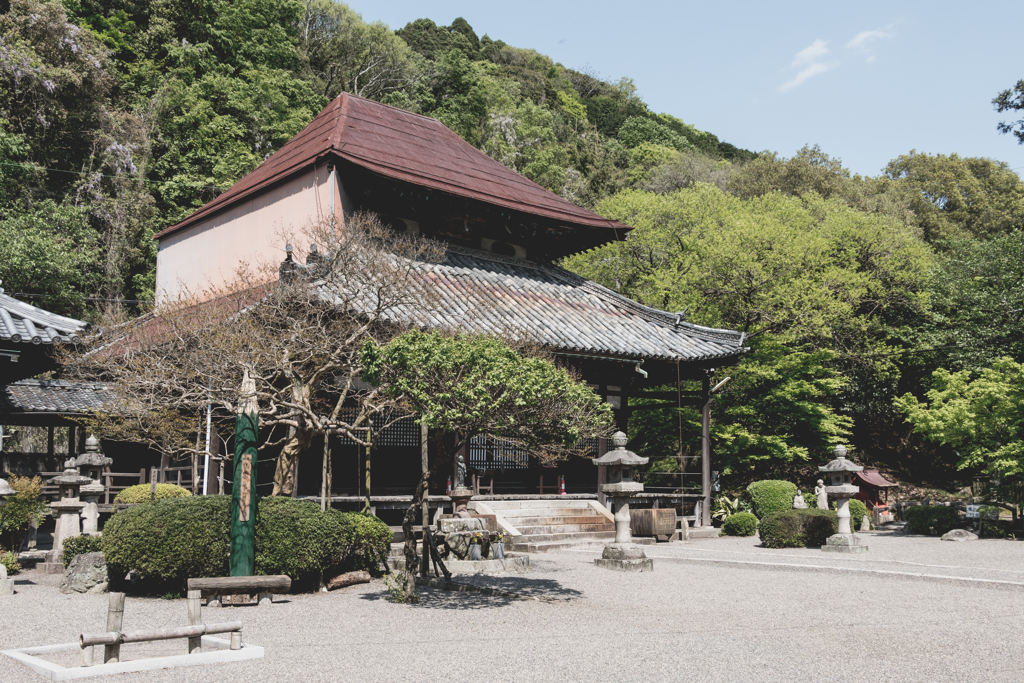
{"points": [[115, 617], [368, 454], [705, 453], [71, 441], [49, 441], [602, 471], [195, 617]]}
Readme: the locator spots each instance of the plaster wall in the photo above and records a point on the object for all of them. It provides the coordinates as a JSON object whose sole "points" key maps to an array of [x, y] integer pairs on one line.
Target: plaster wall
{"points": [[205, 256]]}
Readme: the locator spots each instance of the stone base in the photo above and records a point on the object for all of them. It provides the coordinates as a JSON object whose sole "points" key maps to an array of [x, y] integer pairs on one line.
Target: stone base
{"points": [[844, 543], [6, 586], [639, 565], [52, 567], [625, 557]]}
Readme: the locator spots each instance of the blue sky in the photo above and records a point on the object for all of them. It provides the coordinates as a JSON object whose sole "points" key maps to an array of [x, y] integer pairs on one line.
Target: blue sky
{"points": [[867, 81]]}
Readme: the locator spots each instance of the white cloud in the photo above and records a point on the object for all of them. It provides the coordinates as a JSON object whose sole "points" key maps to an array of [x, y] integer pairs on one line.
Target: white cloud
{"points": [[811, 70], [807, 60], [810, 53], [862, 39]]}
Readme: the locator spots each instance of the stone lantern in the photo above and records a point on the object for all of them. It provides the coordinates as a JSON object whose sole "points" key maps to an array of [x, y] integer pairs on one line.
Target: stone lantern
{"points": [[90, 464], [67, 511], [842, 490], [623, 554]]}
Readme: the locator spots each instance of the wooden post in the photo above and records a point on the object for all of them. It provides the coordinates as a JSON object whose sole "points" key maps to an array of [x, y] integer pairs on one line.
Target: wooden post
{"points": [[295, 476], [705, 453], [49, 441], [115, 615], [602, 471], [195, 617], [325, 480], [236, 640], [368, 452], [425, 505], [153, 476], [71, 441]]}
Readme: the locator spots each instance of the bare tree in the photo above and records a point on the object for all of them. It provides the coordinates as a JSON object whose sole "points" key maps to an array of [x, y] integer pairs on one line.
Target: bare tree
{"points": [[297, 330]]}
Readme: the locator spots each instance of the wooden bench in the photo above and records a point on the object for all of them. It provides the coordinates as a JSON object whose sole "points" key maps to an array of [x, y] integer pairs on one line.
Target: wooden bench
{"points": [[263, 587]]}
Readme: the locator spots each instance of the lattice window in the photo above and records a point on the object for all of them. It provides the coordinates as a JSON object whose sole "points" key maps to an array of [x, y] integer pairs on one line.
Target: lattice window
{"points": [[488, 453], [405, 432]]}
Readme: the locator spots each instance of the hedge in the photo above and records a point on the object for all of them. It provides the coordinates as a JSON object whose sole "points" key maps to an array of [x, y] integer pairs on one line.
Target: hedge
{"points": [[740, 524], [143, 493], [857, 512], [922, 519], [797, 528], [165, 542], [770, 496], [79, 545]]}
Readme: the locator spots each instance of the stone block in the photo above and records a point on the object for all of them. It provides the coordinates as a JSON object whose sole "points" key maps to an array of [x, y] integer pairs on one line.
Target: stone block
{"points": [[844, 543], [645, 564], [87, 573], [6, 586]]}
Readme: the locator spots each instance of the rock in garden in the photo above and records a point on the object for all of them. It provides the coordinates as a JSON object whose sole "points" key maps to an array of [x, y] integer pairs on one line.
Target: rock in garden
{"points": [[959, 535], [458, 544], [87, 573]]}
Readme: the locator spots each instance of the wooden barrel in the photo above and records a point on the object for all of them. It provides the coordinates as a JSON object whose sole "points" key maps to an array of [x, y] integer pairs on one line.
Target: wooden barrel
{"points": [[660, 523]]}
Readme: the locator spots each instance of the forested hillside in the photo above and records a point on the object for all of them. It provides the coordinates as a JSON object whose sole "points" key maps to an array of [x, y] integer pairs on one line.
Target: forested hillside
{"points": [[859, 295], [120, 118]]}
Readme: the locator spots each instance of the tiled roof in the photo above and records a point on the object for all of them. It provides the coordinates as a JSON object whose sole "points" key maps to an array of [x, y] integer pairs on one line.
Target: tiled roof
{"points": [[407, 147], [488, 293], [21, 322], [54, 396]]}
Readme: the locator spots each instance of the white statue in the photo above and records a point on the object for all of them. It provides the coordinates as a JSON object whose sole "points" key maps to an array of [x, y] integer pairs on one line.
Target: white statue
{"points": [[798, 501], [822, 495]]}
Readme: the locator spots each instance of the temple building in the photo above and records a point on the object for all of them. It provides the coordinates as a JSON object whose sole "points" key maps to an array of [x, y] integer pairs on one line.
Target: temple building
{"points": [[504, 234]]}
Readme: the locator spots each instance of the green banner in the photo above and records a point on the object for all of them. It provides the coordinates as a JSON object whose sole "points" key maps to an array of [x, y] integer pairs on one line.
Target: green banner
{"points": [[243, 497]]}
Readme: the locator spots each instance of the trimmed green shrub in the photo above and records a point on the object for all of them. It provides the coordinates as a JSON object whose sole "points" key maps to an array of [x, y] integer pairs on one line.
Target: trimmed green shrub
{"points": [[10, 560], [142, 493], [168, 541], [811, 499], [368, 545], [932, 519], [740, 524], [770, 496], [79, 545], [797, 528]]}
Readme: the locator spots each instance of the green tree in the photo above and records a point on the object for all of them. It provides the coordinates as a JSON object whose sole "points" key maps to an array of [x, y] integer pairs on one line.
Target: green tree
{"points": [[1011, 100], [980, 418], [957, 196]]}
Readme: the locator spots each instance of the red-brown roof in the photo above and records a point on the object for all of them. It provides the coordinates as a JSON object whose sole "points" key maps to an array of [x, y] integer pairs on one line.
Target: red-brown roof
{"points": [[873, 478], [407, 147]]}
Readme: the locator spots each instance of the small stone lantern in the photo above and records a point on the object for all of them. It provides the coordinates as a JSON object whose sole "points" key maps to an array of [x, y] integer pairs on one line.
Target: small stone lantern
{"points": [[623, 554], [90, 464], [842, 490], [67, 511]]}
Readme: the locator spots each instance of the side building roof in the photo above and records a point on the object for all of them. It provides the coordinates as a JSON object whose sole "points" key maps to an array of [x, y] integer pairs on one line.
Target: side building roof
{"points": [[406, 147], [24, 323], [492, 294], [38, 401]]}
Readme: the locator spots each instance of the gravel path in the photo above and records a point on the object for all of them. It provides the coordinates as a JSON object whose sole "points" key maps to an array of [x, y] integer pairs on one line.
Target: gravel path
{"points": [[689, 619]]}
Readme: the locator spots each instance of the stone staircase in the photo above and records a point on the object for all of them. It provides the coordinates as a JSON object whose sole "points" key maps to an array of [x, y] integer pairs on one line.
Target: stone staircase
{"points": [[541, 525]]}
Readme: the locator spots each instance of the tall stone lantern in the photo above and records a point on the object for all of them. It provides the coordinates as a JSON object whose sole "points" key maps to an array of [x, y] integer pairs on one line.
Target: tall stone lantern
{"points": [[842, 490], [90, 464], [622, 555]]}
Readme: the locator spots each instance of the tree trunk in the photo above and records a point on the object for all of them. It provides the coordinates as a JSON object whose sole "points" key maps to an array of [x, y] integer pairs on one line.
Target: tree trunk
{"points": [[411, 562], [284, 481]]}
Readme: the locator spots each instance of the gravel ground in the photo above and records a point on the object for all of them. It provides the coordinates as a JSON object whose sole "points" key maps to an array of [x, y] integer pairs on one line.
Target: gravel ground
{"points": [[726, 620]]}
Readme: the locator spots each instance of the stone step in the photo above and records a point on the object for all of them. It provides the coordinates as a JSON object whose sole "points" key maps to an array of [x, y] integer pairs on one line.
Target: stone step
{"points": [[530, 531], [559, 519], [577, 537], [546, 512], [505, 505]]}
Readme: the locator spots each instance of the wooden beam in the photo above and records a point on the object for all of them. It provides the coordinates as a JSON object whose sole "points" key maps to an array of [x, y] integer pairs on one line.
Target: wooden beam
{"points": [[240, 585]]}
